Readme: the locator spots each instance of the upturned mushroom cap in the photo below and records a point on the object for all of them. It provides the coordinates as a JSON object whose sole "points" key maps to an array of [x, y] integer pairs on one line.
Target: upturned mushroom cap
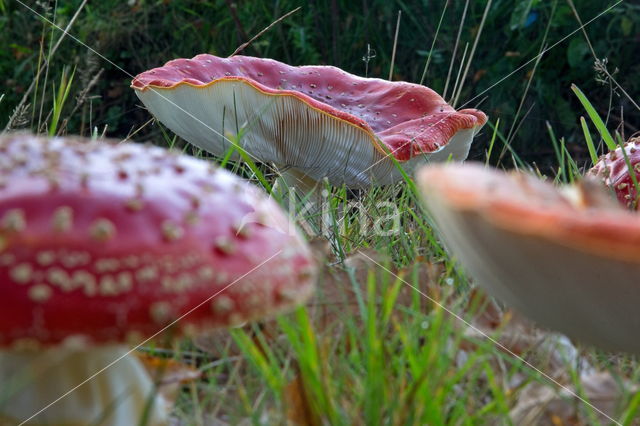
{"points": [[100, 242], [318, 120], [569, 259], [613, 170]]}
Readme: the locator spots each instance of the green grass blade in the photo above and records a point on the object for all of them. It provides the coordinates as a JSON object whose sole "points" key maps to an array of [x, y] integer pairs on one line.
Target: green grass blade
{"points": [[493, 141], [587, 137], [59, 99], [631, 413], [433, 43], [246, 158], [595, 118], [260, 360], [559, 151]]}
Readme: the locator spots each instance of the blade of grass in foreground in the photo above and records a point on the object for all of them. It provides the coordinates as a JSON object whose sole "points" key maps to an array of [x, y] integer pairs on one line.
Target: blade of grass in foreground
{"points": [[433, 43], [516, 158], [303, 339], [631, 412], [246, 158], [587, 137], [493, 141], [595, 118], [260, 357], [563, 157], [60, 98]]}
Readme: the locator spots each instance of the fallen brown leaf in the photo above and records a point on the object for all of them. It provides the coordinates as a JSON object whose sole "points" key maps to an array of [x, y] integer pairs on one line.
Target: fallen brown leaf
{"points": [[299, 409], [169, 374], [544, 405], [513, 334]]}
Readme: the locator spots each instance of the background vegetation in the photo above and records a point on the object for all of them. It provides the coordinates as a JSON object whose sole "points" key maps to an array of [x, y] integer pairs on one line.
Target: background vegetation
{"points": [[503, 78]]}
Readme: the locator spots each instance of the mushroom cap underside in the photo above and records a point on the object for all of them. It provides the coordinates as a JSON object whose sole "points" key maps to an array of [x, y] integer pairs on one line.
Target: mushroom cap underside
{"points": [[569, 262], [317, 119]]}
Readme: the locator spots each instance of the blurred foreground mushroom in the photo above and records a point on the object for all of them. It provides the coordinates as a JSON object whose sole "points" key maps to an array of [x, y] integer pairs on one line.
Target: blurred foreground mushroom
{"points": [[568, 258], [103, 245], [313, 122], [614, 171]]}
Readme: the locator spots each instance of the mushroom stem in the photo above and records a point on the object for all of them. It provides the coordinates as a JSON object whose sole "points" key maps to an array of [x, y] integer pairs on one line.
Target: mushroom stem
{"points": [[302, 183], [116, 396], [300, 191], [296, 186]]}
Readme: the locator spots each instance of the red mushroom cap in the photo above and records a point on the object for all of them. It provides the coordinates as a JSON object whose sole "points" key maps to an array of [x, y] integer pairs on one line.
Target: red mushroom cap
{"points": [[106, 241], [612, 169], [407, 120], [525, 204]]}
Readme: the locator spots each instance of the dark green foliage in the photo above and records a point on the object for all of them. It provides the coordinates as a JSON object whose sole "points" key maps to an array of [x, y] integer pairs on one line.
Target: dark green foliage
{"points": [[138, 35]]}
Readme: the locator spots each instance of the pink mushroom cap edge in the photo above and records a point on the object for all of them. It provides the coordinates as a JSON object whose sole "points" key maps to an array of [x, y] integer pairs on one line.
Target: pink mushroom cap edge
{"points": [[613, 171], [530, 206], [108, 243], [409, 119]]}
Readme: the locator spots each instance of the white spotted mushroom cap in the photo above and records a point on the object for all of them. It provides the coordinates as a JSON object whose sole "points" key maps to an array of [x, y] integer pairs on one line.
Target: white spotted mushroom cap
{"points": [[317, 120], [569, 258], [614, 172], [101, 242]]}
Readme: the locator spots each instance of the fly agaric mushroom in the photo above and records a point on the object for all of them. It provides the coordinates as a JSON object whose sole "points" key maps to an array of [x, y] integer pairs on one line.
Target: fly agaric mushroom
{"points": [[569, 259], [314, 121], [613, 170], [104, 244]]}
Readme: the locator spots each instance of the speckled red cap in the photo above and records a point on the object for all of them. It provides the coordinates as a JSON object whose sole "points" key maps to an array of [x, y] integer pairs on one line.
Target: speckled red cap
{"points": [[103, 242], [612, 169], [295, 108]]}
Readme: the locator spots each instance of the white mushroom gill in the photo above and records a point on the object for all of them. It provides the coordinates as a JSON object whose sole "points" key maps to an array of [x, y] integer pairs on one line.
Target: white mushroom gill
{"points": [[283, 130], [55, 381]]}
